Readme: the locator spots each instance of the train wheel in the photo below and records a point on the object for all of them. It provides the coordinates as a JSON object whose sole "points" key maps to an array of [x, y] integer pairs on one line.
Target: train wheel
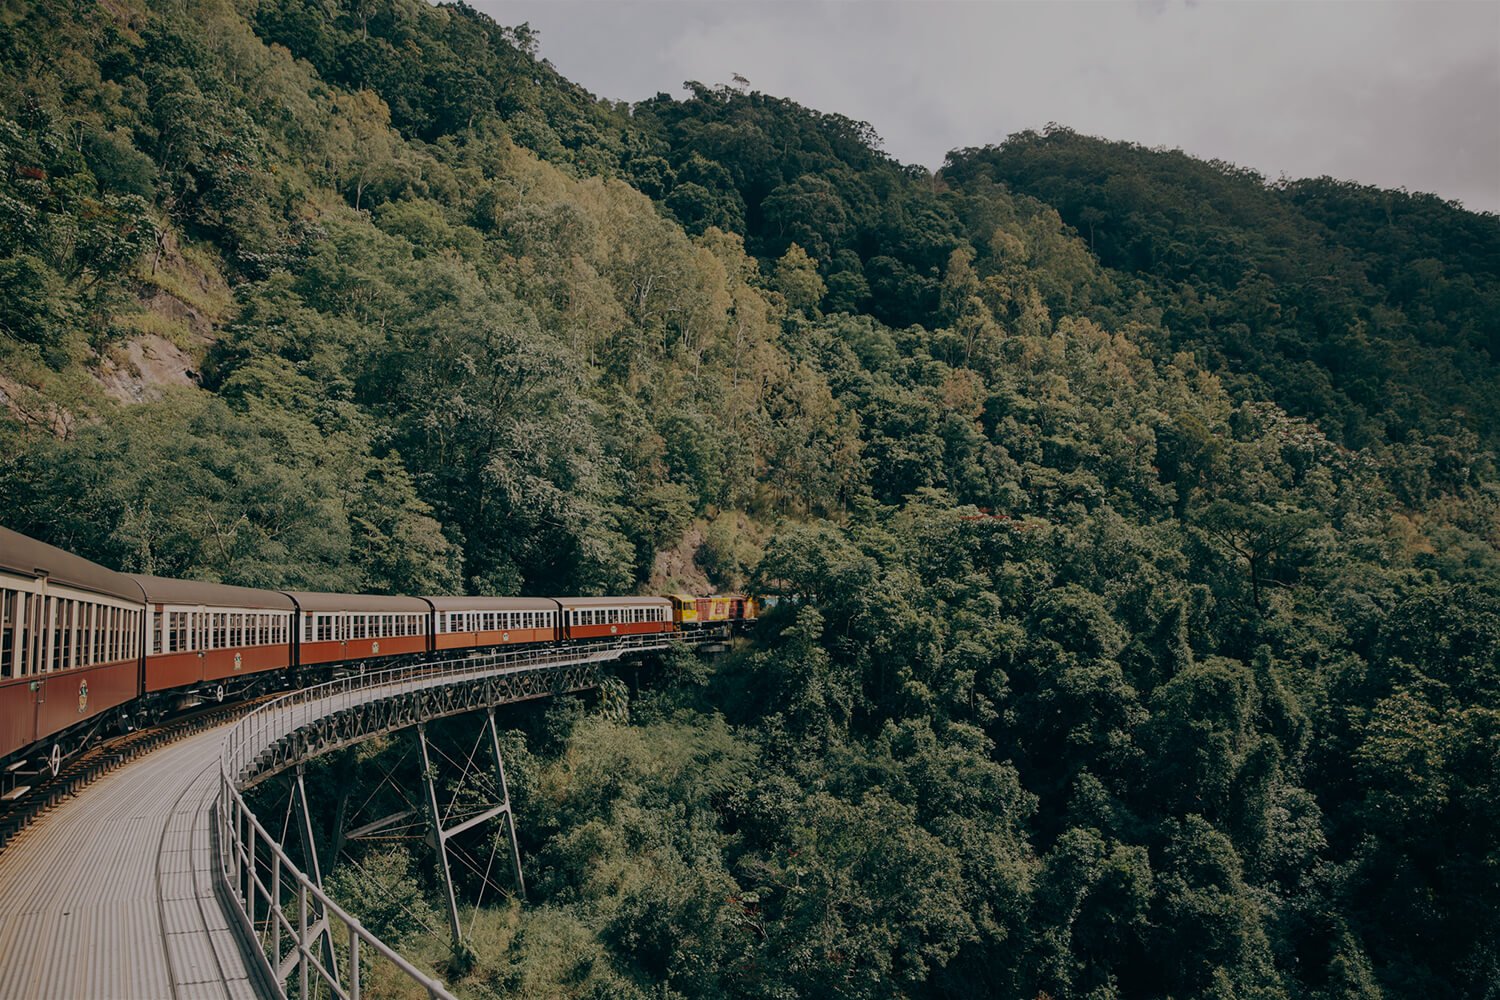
{"points": [[54, 759], [219, 693]]}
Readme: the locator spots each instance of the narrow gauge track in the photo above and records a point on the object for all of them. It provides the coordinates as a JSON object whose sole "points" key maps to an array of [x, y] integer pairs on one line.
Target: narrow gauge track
{"points": [[93, 763]]}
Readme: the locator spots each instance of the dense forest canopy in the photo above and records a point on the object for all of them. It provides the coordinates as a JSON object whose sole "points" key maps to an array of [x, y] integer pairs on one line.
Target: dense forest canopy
{"points": [[1137, 519]]}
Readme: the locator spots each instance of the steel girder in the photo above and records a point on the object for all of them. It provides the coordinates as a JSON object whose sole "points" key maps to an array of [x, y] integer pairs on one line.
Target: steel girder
{"points": [[408, 708]]}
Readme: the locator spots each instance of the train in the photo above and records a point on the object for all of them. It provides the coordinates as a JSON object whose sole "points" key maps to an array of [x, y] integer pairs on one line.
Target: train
{"points": [[86, 651]]}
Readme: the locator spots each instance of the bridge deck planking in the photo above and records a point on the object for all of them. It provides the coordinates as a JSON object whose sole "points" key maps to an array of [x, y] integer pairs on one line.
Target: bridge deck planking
{"points": [[112, 895]]}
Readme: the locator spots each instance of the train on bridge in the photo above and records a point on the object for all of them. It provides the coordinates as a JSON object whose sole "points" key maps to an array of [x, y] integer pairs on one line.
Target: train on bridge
{"points": [[85, 650]]}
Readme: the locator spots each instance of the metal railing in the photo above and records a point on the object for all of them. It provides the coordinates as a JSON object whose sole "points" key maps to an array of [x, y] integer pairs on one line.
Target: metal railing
{"points": [[275, 902]]}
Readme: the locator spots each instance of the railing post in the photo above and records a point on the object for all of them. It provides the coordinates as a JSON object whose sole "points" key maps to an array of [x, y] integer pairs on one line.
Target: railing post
{"points": [[250, 868], [302, 948], [354, 988], [275, 911]]}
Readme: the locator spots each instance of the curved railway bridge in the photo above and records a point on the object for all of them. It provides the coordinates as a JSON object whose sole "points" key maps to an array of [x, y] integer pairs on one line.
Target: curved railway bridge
{"points": [[159, 880]]}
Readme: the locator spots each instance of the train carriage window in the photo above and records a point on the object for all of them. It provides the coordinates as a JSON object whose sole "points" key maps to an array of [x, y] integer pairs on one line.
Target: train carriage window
{"points": [[8, 630], [218, 630], [63, 646], [32, 636], [325, 628], [83, 653], [17, 662]]}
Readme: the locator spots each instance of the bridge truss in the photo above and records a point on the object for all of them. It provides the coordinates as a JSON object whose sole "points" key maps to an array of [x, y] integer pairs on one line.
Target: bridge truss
{"points": [[298, 933]]}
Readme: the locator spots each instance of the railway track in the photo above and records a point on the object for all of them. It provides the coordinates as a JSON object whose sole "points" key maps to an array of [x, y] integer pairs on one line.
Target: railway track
{"points": [[100, 759]]}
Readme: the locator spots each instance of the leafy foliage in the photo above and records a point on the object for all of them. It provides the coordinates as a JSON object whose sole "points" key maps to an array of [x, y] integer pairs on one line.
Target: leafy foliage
{"points": [[1134, 522]]}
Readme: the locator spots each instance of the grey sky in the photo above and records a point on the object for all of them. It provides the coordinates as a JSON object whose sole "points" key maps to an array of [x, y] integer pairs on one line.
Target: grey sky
{"points": [[1395, 94]]}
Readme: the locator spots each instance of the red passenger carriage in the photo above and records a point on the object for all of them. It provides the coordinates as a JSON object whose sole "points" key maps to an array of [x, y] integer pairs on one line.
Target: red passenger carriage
{"points": [[209, 635], [70, 642], [603, 617], [476, 622], [333, 628]]}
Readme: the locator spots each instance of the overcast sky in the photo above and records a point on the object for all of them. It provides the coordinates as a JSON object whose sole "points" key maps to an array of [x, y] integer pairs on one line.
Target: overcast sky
{"points": [[1396, 94]]}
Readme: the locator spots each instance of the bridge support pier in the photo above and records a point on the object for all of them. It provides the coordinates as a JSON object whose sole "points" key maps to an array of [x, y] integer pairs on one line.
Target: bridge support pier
{"points": [[472, 815]]}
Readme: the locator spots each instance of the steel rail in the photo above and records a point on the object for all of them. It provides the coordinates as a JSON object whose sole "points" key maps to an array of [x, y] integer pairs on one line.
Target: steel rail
{"points": [[255, 870]]}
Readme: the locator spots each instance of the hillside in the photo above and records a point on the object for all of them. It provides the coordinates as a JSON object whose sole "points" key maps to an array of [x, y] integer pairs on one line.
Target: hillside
{"points": [[1138, 519]]}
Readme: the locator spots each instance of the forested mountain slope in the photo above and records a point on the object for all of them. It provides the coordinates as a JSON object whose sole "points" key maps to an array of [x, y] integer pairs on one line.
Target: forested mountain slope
{"points": [[1139, 520]]}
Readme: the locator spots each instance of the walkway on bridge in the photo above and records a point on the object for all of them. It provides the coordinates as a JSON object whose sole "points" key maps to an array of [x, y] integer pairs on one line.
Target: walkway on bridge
{"points": [[113, 895], [118, 895]]}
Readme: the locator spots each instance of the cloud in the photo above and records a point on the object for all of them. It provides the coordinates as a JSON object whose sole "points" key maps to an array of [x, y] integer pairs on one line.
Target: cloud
{"points": [[1395, 94]]}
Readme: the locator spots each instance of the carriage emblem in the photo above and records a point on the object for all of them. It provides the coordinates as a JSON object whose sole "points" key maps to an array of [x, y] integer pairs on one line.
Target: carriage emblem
{"points": [[374, 647], [83, 697], [614, 630], [237, 660], [505, 637]]}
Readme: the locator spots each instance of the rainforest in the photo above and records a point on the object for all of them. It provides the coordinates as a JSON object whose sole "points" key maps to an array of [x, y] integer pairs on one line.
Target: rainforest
{"points": [[1133, 521]]}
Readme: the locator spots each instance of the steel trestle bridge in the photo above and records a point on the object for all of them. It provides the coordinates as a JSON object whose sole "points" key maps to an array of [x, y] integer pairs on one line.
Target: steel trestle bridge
{"points": [[160, 881]]}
